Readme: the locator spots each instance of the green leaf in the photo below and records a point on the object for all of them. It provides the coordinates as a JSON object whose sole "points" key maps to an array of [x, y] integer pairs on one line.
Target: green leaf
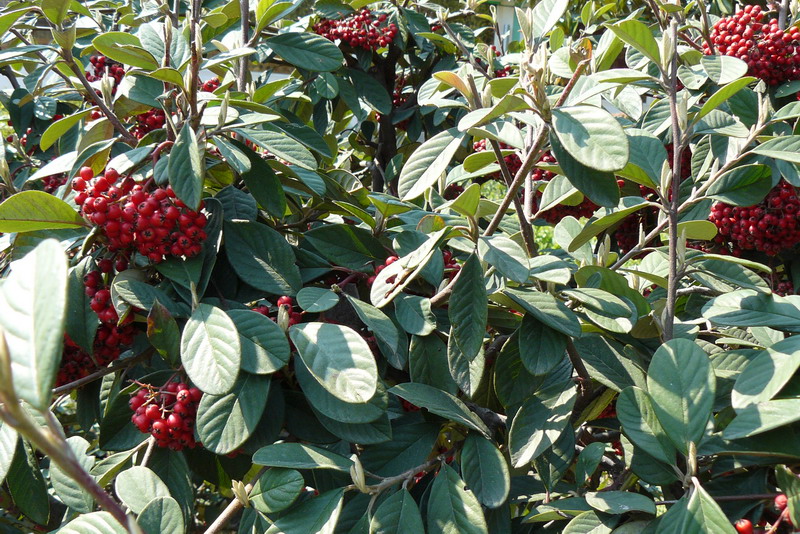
{"points": [[506, 256], [346, 245], [468, 309], [485, 471], [316, 299], [68, 490], [590, 523], [8, 444], [428, 162], [307, 50], [262, 257], [440, 403], [547, 309], [398, 514], [318, 515], [541, 348], [33, 299], [786, 148], [411, 446], [224, 422], [601, 187], [265, 348], [162, 515], [745, 185], [588, 461], [137, 486], [260, 179], [681, 382], [766, 374], [371, 91], [338, 358], [299, 456], [384, 330], [428, 363], [546, 15], [609, 364], [414, 314], [620, 502], [60, 127], [703, 514], [36, 210], [603, 221], [605, 309], [746, 307], [124, 48], [468, 201], [210, 350], [539, 423], [279, 143], [790, 485], [163, 333], [185, 167], [592, 136], [722, 95], [27, 485], [452, 508], [723, 69], [758, 418], [82, 323], [638, 36], [95, 522], [276, 490]]}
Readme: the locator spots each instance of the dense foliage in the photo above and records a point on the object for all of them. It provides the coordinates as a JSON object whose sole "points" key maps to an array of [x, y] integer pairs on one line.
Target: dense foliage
{"points": [[402, 280]]}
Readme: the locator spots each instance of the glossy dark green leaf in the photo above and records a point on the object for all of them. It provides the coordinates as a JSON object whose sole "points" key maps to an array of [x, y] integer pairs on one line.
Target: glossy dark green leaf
{"points": [[440, 403], [316, 299], [163, 333], [681, 383], [592, 136], [262, 257], [468, 308], [261, 181], [225, 422], [82, 322], [414, 314], [640, 423], [540, 347], [547, 309], [506, 256], [276, 490], [427, 163], [185, 167], [745, 185], [766, 374], [307, 50], [318, 514], [539, 423], [299, 456], [452, 508], [485, 471], [600, 186], [265, 348], [27, 485], [398, 514]]}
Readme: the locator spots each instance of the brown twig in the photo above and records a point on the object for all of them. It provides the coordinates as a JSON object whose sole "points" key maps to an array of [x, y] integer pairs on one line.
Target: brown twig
{"points": [[233, 508]]}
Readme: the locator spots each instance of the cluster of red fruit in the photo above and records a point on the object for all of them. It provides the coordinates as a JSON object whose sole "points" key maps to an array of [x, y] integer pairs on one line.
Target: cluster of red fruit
{"points": [[211, 85], [51, 183], [167, 413], [451, 267], [771, 53], [101, 65], [779, 505], [361, 29], [295, 317], [390, 260], [100, 293], [148, 121], [769, 227], [76, 364], [155, 223]]}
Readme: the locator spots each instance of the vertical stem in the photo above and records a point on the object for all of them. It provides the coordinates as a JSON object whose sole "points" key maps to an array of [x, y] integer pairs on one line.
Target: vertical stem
{"points": [[194, 73], [674, 197], [783, 14], [241, 81]]}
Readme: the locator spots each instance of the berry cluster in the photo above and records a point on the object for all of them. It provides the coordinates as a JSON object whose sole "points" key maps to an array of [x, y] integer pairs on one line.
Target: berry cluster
{"points": [[148, 121], [770, 53], [211, 85], [451, 267], [295, 317], [361, 29], [513, 162], [167, 413], [51, 183], [452, 191], [585, 209], [390, 260], [768, 227], [155, 223], [102, 65], [76, 364], [398, 100], [100, 293]]}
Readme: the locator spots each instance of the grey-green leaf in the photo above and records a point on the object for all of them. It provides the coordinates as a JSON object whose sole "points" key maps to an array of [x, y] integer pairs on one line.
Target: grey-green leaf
{"points": [[162, 515], [137, 486], [452, 508], [265, 348], [276, 490], [485, 471], [398, 514], [210, 350]]}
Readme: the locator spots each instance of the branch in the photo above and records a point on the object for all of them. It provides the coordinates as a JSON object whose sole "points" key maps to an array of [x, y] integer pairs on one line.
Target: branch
{"points": [[120, 364], [235, 505], [531, 158]]}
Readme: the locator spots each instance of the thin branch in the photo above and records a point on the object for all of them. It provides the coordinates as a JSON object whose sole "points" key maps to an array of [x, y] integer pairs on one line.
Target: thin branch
{"points": [[783, 14], [732, 498], [120, 364], [580, 368], [233, 508], [244, 14], [531, 158]]}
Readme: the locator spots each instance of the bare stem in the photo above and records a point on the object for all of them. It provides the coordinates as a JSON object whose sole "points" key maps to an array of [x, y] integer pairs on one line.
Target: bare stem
{"points": [[241, 79], [233, 508]]}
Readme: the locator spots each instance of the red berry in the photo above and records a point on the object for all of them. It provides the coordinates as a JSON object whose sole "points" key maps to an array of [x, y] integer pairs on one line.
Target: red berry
{"points": [[744, 526], [780, 502]]}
